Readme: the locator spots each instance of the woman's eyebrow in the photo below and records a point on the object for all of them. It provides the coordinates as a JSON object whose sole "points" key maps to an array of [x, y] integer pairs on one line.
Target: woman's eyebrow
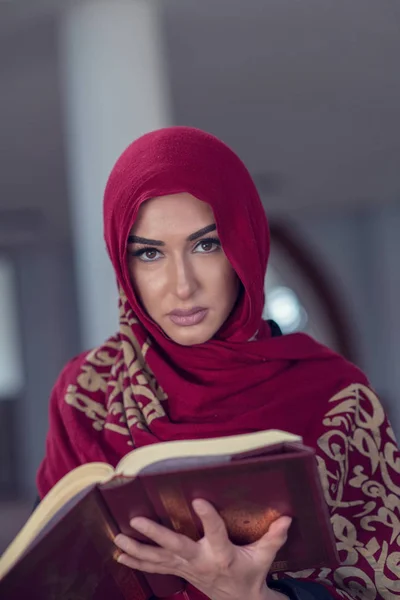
{"points": [[134, 239], [201, 232]]}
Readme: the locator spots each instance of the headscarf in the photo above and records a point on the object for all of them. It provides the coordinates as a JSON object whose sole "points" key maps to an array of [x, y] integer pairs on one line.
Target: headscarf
{"points": [[140, 387]]}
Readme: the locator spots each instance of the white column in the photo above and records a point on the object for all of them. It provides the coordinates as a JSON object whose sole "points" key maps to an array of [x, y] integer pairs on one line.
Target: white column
{"points": [[11, 366], [114, 89]]}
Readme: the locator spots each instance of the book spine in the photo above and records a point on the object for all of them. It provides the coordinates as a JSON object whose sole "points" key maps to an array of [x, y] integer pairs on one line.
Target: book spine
{"points": [[133, 584], [126, 501]]}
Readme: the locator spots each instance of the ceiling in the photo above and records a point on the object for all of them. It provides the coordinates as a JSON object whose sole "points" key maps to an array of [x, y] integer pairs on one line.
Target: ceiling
{"points": [[307, 91]]}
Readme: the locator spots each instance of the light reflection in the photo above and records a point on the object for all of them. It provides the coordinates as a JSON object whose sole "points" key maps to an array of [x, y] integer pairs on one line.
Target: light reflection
{"points": [[283, 306]]}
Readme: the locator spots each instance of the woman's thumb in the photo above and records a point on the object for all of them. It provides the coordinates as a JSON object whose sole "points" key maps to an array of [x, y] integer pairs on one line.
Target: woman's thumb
{"points": [[276, 535]]}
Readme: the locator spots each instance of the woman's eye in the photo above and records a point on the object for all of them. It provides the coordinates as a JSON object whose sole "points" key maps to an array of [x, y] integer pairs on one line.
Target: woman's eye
{"points": [[207, 246], [147, 254]]}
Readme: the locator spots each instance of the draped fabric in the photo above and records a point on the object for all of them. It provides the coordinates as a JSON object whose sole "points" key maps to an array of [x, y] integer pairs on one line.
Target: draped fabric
{"points": [[140, 387]]}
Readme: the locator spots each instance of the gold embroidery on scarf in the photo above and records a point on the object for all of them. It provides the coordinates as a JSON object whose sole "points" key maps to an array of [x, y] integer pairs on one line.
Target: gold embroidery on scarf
{"points": [[100, 357], [142, 380], [357, 427], [117, 428], [93, 410], [132, 369], [92, 381], [147, 385], [134, 415]]}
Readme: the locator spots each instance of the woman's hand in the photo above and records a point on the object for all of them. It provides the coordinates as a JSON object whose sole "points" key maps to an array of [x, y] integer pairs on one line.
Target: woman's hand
{"points": [[213, 565]]}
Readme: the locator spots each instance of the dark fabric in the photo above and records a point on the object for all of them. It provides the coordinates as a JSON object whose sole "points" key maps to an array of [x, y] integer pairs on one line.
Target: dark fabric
{"points": [[301, 590], [275, 329]]}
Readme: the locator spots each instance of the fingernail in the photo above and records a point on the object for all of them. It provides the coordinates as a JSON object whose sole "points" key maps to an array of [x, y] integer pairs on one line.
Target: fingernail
{"points": [[287, 521], [199, 506], [138, 523]]}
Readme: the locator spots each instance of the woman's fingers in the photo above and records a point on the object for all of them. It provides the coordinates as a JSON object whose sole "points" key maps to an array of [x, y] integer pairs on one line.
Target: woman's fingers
{"points": [[163, 537], [213, 525], [140, 551], [276, 536], [143, 565], [175, 551]]}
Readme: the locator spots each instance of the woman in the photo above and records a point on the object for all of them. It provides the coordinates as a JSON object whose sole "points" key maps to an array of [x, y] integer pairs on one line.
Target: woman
{"points": [[188, 239]]}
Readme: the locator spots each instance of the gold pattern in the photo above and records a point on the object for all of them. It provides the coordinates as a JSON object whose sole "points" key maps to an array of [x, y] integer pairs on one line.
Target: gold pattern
{"points": [[119, 371], [359, 464], [93, 410]]}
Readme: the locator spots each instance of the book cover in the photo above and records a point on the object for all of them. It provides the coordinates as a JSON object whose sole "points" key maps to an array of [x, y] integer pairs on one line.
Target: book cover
{"points": [[75, 557], [249, 492]]}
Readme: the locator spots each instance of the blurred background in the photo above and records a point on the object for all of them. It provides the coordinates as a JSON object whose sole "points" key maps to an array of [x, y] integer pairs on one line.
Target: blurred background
{"points": [[307, 93]]}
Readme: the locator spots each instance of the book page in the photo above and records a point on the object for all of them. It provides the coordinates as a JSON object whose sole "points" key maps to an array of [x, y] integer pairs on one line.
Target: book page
{"points": [[141, 458]]}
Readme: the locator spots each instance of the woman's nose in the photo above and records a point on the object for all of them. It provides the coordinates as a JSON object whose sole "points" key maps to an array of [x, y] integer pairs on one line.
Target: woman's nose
{"points": [[184, 278]]}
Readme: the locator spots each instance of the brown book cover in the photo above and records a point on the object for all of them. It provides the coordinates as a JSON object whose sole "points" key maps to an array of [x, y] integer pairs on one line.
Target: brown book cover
{"points": [[74, 556], [249, 492], [75, 559]]}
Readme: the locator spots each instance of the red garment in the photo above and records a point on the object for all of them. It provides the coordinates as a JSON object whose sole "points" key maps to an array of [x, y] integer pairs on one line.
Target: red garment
{"points": [[140, 387]]}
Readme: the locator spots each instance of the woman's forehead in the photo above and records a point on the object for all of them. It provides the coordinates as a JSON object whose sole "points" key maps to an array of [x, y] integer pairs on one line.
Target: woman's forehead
{"points": [[173, 213]]}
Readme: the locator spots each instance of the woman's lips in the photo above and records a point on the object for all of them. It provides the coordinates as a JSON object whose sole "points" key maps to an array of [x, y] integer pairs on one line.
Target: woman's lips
{"points": [[186, 318]]}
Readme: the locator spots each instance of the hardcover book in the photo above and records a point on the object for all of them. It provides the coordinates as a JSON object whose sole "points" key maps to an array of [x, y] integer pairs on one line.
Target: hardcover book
{"points": [[66, 548]]}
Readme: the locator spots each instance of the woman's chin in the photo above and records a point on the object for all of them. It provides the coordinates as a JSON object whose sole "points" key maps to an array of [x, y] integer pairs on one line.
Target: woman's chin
{"points": [[190, 336]]}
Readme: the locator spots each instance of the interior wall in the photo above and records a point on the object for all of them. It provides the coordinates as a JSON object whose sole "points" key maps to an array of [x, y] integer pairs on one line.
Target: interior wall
{"points": [[358, 250], [32, 164], [50, 337], [33, 183]]}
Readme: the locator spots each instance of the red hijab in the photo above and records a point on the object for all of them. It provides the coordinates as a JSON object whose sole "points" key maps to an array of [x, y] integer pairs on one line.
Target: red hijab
{"points": [[140, 387]]}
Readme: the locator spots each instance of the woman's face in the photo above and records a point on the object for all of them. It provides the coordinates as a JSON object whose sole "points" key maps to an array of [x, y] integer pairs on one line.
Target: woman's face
{"points": [[179, 270]]}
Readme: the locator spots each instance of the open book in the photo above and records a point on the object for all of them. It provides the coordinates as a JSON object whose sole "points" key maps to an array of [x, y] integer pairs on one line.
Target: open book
{"points": [[252, 479]]}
